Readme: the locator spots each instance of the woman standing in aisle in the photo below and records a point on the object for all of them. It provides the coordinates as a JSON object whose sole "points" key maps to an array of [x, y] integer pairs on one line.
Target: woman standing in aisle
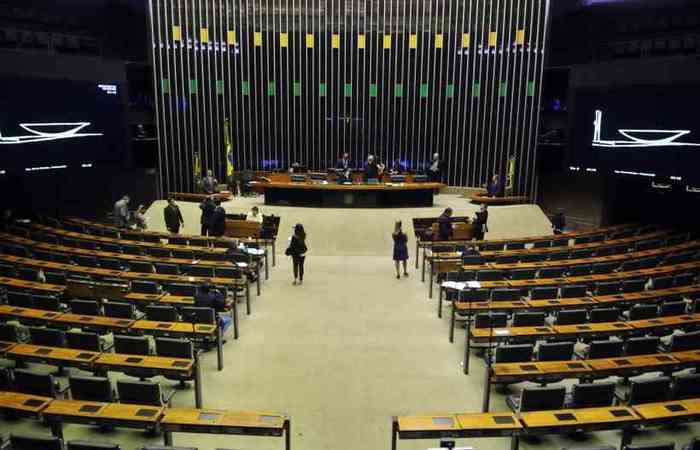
{"points": [[400, 249], [297, 250]]}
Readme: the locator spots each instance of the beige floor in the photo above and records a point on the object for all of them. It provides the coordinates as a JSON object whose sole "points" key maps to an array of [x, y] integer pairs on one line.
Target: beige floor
{"points": [[348, 349]]}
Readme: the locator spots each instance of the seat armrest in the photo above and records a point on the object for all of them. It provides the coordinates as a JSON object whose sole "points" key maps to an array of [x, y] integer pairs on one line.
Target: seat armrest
{"points": [[579, 355], [167, 397]]}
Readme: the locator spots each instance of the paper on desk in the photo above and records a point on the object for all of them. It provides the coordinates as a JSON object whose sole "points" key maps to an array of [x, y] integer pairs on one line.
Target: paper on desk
{"points": [[242, 264], [501, 332], [196, 261], [474, 284]]}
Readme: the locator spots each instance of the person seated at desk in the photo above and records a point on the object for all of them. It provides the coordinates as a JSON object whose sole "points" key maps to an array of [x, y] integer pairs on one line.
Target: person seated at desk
{"points": [[254, 215], [494, 188], [397, 168], [373, 169], [140, 217], [121, 212], [558, 222], [445, 225], [344, 162], [209, 183], [209, 297]]}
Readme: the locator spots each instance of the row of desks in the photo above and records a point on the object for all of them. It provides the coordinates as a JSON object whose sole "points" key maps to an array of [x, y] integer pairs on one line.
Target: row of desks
{"points": [[180, 368], [556, 370], [168, 420], [557, 304], [575, 332], [483, 425], [619, 258], [213, 240], [115, 325]]}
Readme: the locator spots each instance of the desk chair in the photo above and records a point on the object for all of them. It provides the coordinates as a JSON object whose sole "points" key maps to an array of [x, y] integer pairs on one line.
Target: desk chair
{"points": [[580, 270], [47, 336], [86, 261], [648, 245], [86, 445], [143, 393], [168, 269], [86, 245], [462, 275], [533, 257], [603, 349], [648, 263], [641, 311], [131, 249], [161, 313], [502, 259], [552, 272], [23, 442], [109, 247], [627, 266], [85, 307], [199, 242], [581, 253], [145, 287], [476, 295], [596, 238], [33, 383], [603, 268], [573, 291], [592, 395], [686, 386], [9, 332], [515, 245], [491, 246], [84, 341], [505, 295], [119, 310], [514, 353], [537, 399], [558, 256], [132, 345], [16, 250], [684, 279], [653, 446], [646, 345], [541, 244], [181, 289], [141, 267], [161, 447], [55, 277], [679, 258], [494, 320], [28, 273], [183, 254], [42, 255], [648, 390], [522, 274], [199, 271], [528, 319], [174, 240], [571, 317], [175, 348], [193, 314], [662, 282], [601, 315], [604, 251], [128, 236], [20, 299], [582, 240], [150, 238], [47, 302], [208, 256], [555, 351], [489, 275], [111, 264], [473, 260], [61, 258], [560, 242], [544, 293], [8, 271], [91, 389], [694, 444], [633, 285], [684, 342], [673, 308], [158, 252]]}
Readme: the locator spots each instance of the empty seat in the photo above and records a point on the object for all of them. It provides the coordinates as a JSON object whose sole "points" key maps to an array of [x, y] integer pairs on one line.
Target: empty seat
{"points": [[62, 258], [144, 287], [522, 274], [505, 295], [571, 317], [592, 395], [627, 266], [555, 351], [154, 239], [686, 386], [47, 336], [162, 313], [507, 259], [673, 308], [9, 332], [23, 442], [514, 353], [633, 285], [582, 240], [580, 270], [649, 390], [538, 399], [140, 267], [491, 246], [662, 282], [544, 293], [84, 341], [141, 393], [87, 445], [111, 264], [581, 253], [86, 245], [234, 273], [648, 245], [551, 272], [573, 291], [515, 246], [174, 348], [46, 302], [596, 238], [684, 279], [8, 271], [20, 299], [55, 277], [131, 249], [642, 311], [85, 307], [199, 242], [558, 256], [607, 288], [131, 345], [35, 383], [541, 244], [181, 289], [119, 310], [604, 349], [158, 252], [28, 273], [91, 389], [489, 275], [111, 248], [464, 275], [473, 260], [684, 342], [493, 320], [528, 319], [87, 261], [175, 240], [168, 269], [603, 268], [199, 271], [183, 254], [533, 257], [645, 345], [560, 242]]}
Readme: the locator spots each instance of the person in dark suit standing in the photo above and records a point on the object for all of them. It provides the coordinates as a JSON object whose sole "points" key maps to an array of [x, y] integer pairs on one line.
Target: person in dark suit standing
{"points": [[495, 186], [207, 207], [480, 221], [297, 250], [209, 183], [445, 225], [435, 169], [218, 220], [173, 217], [344, 162], [558, 222], [373, 169]]}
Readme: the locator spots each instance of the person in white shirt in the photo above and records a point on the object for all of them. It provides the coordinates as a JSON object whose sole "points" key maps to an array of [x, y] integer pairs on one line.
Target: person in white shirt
{"points": [[254, 215]]}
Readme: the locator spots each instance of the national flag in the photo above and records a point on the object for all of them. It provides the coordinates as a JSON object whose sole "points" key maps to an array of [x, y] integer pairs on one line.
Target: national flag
{"points": [[229, 148]]}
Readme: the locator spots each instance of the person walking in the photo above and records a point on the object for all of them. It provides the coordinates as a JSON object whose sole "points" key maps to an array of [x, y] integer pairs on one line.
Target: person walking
{"points": [[217, 224], [297, 250], [400, 249], [207, 207], [173, 217]]}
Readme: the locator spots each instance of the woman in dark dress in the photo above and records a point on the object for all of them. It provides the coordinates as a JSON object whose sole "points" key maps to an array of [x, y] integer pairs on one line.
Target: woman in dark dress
{"points": [[297, 250], [400, 249]]}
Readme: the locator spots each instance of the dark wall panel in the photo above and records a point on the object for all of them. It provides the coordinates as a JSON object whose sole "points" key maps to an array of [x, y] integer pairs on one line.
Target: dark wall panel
{"points": [[304, 80]]}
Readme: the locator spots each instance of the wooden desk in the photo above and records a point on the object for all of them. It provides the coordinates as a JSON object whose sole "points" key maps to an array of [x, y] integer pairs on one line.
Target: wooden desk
{"points": [[669, 412], [55, 356], [561, 303], [216, 421], [121, 415], [673, 322], [590, 330], [469, 308], [223, 196], [631, 365], [18, 313], [95, 322], [31, 286], [23, 405], [6, 347]]}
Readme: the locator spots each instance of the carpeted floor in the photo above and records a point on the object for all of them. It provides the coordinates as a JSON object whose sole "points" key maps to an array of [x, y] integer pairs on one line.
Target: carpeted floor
{"points": [[351, 347]]}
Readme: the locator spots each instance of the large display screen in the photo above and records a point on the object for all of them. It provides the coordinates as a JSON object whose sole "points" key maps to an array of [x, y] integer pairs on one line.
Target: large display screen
{"points": [[49, 124], [638, 130]]}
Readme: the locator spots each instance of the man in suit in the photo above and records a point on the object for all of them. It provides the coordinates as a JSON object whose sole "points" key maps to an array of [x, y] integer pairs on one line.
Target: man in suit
{"points": [[344, 162], [209, 183], [173, 217], [558, 222], [207, 207], [480, 221], [208, 297], [445, 225], [121, 212], [495, 187], [435, 169], [373, 169], [218, 221]]}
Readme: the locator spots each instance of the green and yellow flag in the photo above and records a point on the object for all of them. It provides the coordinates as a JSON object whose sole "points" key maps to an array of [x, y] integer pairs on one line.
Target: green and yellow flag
{"points": [[197, 167], [510, 179], [229, 148]]}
